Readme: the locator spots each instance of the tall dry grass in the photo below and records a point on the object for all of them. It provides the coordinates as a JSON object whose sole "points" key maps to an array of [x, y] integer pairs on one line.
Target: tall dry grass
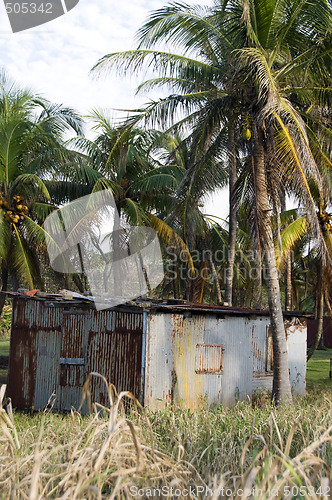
{"points": [[241, 452]]}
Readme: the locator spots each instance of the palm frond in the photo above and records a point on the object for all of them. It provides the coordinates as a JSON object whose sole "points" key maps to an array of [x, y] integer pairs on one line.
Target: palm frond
{"points": [[23, 261], [170, 237], [293, 233]]}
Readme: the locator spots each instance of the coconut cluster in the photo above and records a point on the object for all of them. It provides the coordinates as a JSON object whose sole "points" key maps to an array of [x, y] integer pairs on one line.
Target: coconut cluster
{"points": [[15, 210], [326, 220]]}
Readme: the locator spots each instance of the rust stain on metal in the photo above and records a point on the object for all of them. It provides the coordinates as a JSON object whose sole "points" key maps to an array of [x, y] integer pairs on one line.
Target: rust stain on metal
{"points": [[300, 324], [258, 357], [33, 324], [22, 369], [209, 358], [55, 345], [178, 320], [73, 331], [43, 338], [115, 351]]}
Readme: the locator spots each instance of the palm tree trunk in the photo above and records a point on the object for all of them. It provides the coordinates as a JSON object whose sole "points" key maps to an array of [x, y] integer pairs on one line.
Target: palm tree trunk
{"points": [[320, 324], [78, 282], [288, 290], [215, 277], [232, 217], [4, 284], [145, 274], [281, 391], [175, 283], [327, 301], [258, 275], [116, 243], [288, 277]]}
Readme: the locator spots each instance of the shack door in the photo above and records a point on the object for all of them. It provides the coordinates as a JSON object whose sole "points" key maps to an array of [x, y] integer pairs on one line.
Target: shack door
{"points": [[73, 352], [115, 351]]}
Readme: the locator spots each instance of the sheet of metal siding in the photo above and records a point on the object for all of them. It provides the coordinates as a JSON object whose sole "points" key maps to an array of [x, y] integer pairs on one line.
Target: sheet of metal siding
{"points": [[47, 367], [188, 386], [236, 381], [297, 351], [262, 382], [214, 333], [31, 319], [209, 358], [259, 332], [159, 361], [115, 351], [296, 343], [262, 379], [45, 326], [171, 351], [73, 345]]}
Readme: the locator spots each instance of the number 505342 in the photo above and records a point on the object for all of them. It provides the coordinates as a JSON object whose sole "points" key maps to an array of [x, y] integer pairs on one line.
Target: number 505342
{"points": [[28, 8]]}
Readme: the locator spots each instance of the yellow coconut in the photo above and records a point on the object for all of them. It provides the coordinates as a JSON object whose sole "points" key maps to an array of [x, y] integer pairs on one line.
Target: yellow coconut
{"points": [[246, 134]]}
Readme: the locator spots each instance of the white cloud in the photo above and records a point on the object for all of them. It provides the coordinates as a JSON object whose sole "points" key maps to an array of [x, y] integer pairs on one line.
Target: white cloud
{"points": [[55, 59]]}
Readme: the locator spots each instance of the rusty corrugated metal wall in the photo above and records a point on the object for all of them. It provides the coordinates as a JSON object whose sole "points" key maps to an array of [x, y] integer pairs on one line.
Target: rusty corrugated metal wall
{"points": [[173, 342], [160, 355], [54, 346], [34, 353], [241, 344]]}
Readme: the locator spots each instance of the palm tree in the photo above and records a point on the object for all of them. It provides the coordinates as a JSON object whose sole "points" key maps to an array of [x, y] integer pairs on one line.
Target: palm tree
{"points": [[251, 53], [297, 233], [31, 148], [130, 163], [184, 211]]}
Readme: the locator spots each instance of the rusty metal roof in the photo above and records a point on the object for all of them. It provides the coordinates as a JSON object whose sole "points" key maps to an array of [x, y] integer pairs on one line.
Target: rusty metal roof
{"points": [[168, 305], [221, 310]]}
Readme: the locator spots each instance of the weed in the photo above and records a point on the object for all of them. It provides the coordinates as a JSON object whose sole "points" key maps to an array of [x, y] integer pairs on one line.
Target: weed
{"points": [[5, 321], [140, 452]]}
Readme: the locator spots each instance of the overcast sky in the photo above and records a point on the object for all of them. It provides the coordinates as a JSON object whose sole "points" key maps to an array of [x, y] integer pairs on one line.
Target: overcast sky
{"points": [[55, 59]]}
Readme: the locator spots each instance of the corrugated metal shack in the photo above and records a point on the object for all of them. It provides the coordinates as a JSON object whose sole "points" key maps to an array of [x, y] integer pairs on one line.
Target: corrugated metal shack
{"points": [[160, 352]]}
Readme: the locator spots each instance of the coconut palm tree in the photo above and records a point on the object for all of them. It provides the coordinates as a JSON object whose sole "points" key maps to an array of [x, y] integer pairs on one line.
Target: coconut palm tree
{"points": [[31, 148], [297, 233], [130, 162], [252, 53], [184, 211]]}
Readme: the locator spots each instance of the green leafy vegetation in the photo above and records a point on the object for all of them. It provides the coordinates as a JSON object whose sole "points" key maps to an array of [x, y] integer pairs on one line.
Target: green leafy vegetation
{"points": [[250, 98], [254, 110], [5, 322]]}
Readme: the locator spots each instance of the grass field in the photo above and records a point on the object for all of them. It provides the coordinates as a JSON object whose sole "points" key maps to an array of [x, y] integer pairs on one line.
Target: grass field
{"points": [[4, 347], [283, 453], [318, 370], [128, 455]]}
